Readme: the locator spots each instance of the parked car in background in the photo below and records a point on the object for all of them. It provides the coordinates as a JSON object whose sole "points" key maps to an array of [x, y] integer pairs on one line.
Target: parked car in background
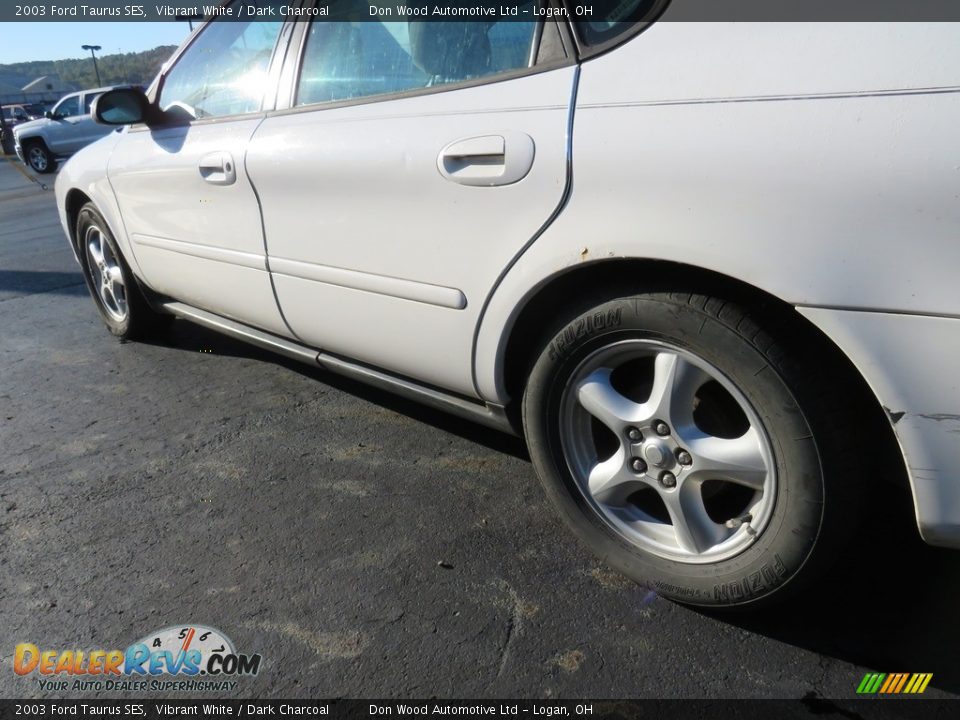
{"points": [[62, 131], [707, 270], [16, 114]]}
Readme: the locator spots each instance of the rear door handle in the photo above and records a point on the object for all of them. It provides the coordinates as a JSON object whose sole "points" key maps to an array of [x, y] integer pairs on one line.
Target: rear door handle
{"points": [[218, 168], [487, 160]]}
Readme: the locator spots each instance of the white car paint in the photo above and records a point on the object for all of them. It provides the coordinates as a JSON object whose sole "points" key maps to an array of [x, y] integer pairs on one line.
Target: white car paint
{"points": [[386, 263], [199, 242], [814, 162]]}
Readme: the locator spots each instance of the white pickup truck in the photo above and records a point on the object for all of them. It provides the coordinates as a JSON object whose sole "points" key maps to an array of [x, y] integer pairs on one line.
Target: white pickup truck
{"points": [[67, 128]]}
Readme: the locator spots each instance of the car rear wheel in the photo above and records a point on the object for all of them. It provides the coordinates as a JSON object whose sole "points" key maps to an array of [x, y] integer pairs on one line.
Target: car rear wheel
{"points": [[689, 449], [110, 281], [39, 158]]}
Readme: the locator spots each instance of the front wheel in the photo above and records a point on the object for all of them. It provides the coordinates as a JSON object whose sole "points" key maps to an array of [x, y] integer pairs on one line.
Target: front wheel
{"points": [[688, 449], [110, 281], [39, 158]]}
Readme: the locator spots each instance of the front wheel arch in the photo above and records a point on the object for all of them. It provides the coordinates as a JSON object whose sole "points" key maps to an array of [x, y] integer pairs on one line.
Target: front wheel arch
{"points": [[74, 202]]}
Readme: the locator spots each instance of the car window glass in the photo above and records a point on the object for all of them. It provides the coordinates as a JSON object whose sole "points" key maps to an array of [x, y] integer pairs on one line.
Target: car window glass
{"points": [[610, 18], [224, 71], [346, 60], [88, 100], [68, 107]]}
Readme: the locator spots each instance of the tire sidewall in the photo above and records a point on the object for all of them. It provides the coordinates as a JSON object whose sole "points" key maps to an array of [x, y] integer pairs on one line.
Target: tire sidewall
{"points": [[87, 218], [51, 162], [785, 544]]}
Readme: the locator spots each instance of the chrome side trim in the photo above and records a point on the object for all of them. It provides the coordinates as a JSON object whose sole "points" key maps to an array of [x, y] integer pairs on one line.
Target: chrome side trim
{"points": [[493, 416], [242, 332], [486, 414], [368, 282], [854, 94]]}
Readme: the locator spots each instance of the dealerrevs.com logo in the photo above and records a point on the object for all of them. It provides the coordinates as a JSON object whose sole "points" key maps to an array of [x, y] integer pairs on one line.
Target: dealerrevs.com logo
{"points": [[180, 657]]}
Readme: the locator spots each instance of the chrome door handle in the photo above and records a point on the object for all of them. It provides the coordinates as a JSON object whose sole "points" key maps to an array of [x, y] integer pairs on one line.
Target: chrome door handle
{"points": [[487, 160], [218, 168]]}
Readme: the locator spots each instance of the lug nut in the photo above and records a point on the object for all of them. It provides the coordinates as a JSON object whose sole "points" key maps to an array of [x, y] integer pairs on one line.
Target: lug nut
{"points": [[684, 458], [634, 434], [661, 428], [638, 465], [668, 479]]}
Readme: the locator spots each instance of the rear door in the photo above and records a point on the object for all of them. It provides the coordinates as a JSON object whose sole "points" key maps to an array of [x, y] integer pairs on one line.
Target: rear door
{"points": [[414, 162]]}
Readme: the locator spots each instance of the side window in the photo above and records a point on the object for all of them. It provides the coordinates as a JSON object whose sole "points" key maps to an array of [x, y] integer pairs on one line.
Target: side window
{"points": [[611, 18], [225, 69], [68, 107], [88, 100], [346, 60]]}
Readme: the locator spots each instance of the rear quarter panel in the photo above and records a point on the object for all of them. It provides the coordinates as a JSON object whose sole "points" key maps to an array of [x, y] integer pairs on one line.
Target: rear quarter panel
{"points": [[816, 161]]}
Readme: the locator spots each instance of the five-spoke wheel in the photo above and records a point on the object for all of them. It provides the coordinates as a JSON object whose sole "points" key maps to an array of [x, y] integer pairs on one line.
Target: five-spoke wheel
{"points": [[680, 442], [114, 288], [106, 274], [668, 450]]}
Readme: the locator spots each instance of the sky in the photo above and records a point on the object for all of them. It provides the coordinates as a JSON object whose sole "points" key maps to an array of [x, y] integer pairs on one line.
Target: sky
{"points": [[25, 41]]}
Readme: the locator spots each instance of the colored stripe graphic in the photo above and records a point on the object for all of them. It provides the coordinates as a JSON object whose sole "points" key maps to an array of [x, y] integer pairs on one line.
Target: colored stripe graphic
{"points": [[870, 683], [891, 680], [894, 683]]}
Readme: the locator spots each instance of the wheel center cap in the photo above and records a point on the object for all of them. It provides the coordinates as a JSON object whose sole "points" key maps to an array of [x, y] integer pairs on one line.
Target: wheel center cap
{"points": [[656, 454]]}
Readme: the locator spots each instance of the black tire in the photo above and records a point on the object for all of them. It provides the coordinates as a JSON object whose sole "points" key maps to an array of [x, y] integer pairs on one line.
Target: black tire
{"points": [[128, 318], [810, 512], [39, 158]]}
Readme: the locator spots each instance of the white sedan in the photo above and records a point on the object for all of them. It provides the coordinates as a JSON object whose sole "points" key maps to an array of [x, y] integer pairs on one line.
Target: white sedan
{"points": [[707, 270]]}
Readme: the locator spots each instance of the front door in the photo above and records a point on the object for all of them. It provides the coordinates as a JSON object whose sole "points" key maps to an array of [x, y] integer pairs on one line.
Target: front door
{"points": [[189, 209]]}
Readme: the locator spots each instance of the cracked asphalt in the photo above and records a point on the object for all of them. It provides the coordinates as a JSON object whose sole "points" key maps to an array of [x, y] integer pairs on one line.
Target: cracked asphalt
{"points": [[365, 546]]}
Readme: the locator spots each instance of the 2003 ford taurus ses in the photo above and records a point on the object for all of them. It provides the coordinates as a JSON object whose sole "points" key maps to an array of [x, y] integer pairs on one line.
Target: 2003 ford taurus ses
{"points": [[709, 271]]}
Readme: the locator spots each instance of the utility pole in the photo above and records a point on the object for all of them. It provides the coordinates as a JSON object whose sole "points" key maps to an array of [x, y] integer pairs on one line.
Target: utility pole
{"points": [[189, 19], [123, 65], [93, 53]]}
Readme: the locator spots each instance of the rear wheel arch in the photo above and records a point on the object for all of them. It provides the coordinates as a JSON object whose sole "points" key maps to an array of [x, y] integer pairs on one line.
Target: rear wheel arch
{"points": [[578, 287]]}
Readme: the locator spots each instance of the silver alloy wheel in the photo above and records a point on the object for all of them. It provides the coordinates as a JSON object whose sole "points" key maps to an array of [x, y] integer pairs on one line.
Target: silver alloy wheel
{"points": [[106, 275], [37, 158], [643, 462]]}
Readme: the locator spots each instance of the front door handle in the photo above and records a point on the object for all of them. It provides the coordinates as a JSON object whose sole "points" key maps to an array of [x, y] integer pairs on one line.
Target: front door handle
{"points": [[218, 168], [487, 160]]}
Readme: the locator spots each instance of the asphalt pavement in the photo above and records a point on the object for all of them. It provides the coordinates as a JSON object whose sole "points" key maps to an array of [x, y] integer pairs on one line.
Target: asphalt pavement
{"points": [[363, 545]]}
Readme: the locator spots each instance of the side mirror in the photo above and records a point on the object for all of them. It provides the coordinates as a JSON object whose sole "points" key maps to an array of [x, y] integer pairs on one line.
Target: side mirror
{"points": [[125, 106], [50, 115]]}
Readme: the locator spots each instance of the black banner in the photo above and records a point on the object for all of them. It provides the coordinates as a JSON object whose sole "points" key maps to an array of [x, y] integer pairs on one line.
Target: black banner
{"points": [[482, 10], [881, 709]]}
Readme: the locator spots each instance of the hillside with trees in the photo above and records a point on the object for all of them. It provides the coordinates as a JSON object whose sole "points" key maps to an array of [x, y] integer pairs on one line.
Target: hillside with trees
{"points": [[116, 69]]}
